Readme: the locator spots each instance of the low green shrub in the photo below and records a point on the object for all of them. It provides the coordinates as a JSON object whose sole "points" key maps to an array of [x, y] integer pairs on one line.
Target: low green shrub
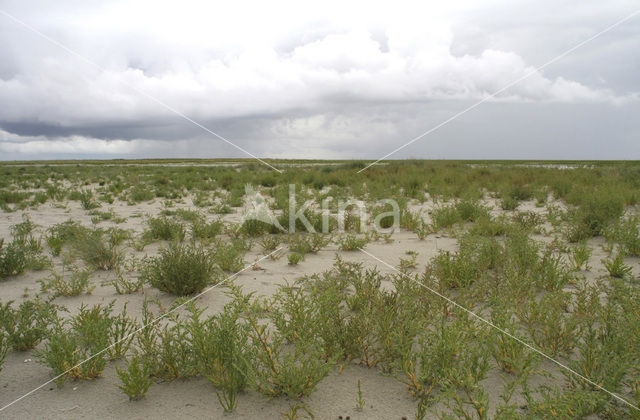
{"points": [[98, 248], [135, 379], [173, 356], [520, 192], [60, 234], [276, 369], [163, 228], [550, 327], [438, 365], [455, 270], [616, 266], [579, 256], [140, 193], [351, 242], [13, 259], [229, 256], [510, 355], [445, 217], [471, 211], [221, 351], [24, 228], [75, 283], [180, 269], [125, 286], [23, 252], [121, 334], [627, 234], [270, 242], [201, 229], [87, 201], [294, 258], [527, 220], [187, 215], [72, 342], [490, 226], [386, 221], [596, 212], [509, 203], [26, 325], [306, 243], [255, 227]]}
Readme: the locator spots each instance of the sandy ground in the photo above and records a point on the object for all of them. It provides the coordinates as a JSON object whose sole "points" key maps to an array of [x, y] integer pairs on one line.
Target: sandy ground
{"points": [[386, 397]]}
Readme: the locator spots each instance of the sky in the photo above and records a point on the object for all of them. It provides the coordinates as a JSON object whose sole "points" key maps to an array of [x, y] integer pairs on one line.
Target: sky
{"points": [[328, 80]]}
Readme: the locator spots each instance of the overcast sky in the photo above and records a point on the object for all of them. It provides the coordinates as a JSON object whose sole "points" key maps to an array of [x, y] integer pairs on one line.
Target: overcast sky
{"points": [[329, 80]]}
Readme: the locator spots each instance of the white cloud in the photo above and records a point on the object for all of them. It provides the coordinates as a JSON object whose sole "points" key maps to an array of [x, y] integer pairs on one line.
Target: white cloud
{"points": [[80, 145], [303, 77], [255, 78]]}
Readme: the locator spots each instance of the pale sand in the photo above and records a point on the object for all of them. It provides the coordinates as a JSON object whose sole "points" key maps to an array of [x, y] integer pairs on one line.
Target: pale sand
{"points": [[386, 397]]}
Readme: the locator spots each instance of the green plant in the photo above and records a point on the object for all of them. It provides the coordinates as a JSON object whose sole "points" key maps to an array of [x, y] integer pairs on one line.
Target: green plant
{"points": [[510, 355], [471, 211], [100, 216], [4, 347], [125, 286], [616, 266], [121, 334], [255, 227], [305, 243], [351, 242], [200, 229], [550, 328], [98, 251], [26, 325], [527, 220], [384, 216], [438, 364], [139, 193], [75, 347], [180, 269], [276, 370], [421, 411], [579, 256], [220, 346], [135, 379], [360, 402], [298, 411], [13, 259], [62, 233], [509, 203], [270, 242], [23, 252], [163, 228], [595, 213], [627, 234], [454, 270], [24, 228], [444, 217], [173, 354], [229, 256], [294, 258], [422, 230], [408, 263], [87, 201], [62, 285], [490, 226]]}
